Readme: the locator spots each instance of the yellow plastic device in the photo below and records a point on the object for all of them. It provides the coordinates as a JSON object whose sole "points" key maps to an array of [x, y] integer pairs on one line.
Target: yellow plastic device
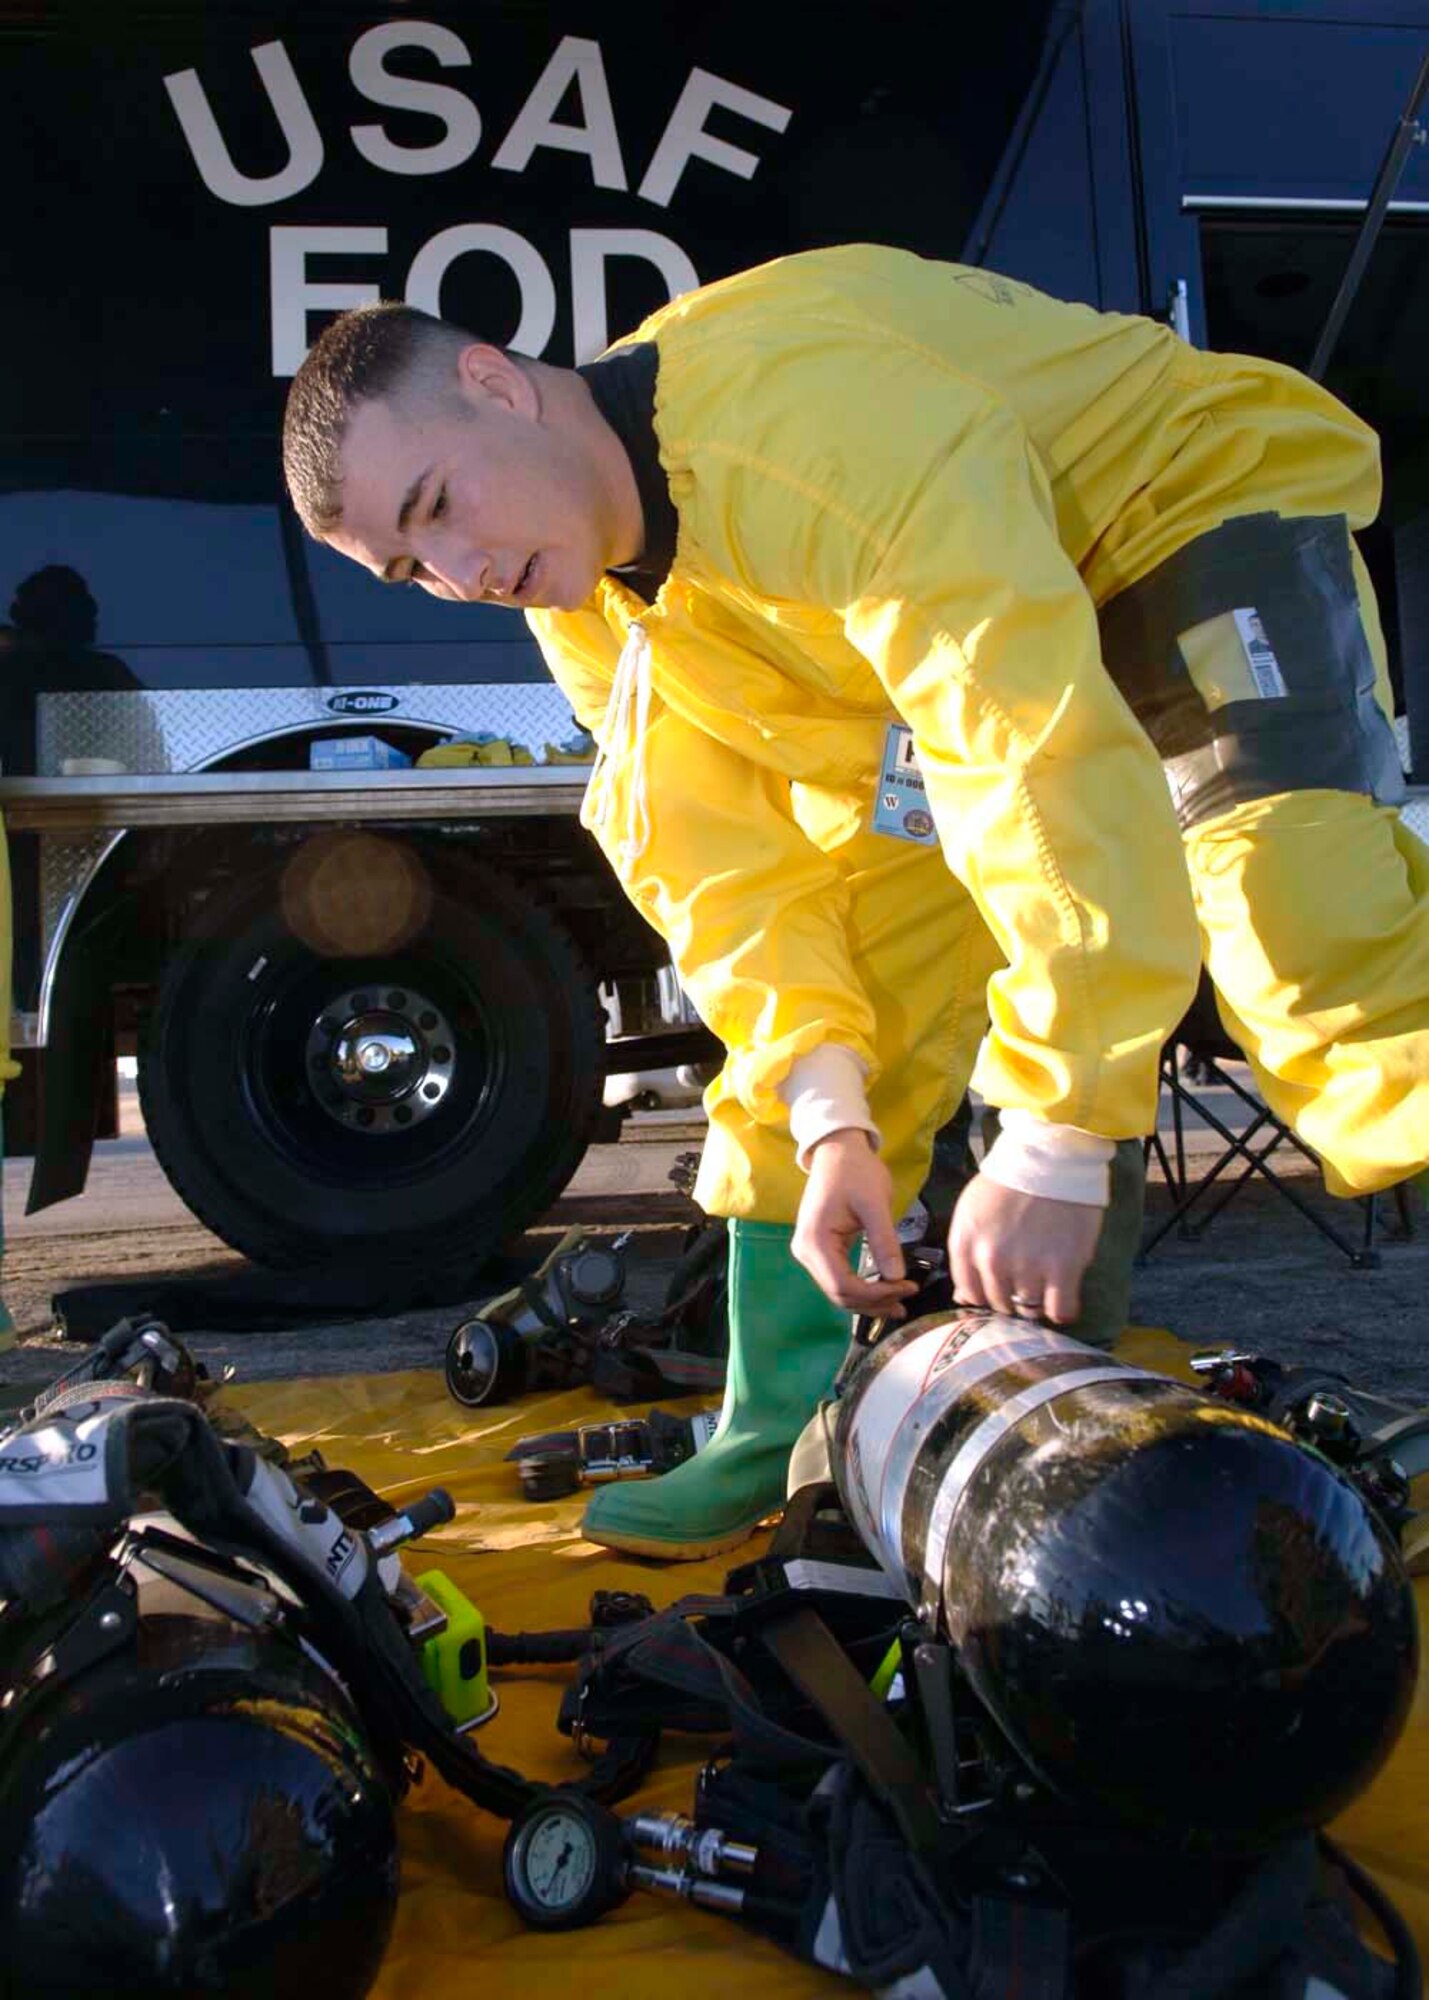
{"points": [[454, 1661]]}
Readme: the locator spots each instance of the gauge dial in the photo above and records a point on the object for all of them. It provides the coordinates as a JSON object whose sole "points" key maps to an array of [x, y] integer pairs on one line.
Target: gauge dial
{"points": [[565, 1862]]}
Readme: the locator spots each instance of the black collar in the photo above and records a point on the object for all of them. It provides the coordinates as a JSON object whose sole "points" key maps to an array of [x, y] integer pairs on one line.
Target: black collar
{"points": [[623, 385]]}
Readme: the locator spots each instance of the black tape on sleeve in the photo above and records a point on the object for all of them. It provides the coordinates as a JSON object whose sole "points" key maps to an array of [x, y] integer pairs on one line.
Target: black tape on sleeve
{"points": [[1313, 723]]}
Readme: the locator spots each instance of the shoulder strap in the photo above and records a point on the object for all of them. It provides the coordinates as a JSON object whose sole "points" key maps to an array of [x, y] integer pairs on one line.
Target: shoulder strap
{"points": [[822, 1671], [667, 1671]]}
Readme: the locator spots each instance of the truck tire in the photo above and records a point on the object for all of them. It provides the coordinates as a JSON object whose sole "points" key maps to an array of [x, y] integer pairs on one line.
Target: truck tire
{"points": [[391, 1114]]}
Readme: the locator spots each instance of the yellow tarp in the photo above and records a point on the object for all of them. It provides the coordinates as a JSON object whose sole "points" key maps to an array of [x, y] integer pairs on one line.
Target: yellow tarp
{"points": [[526, 1567]]}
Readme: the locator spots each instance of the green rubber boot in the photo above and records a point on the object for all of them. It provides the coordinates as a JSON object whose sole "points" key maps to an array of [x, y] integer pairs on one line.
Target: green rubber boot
{"points": [[786, 1341]]}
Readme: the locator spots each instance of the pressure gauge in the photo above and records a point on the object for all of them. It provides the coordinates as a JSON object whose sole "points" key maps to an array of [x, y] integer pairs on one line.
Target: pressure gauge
{"points": [[565, 1862]]}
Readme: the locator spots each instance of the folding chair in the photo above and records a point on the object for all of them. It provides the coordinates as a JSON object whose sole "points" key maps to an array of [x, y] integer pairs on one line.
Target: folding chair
{"points": [[1196, 1203]]}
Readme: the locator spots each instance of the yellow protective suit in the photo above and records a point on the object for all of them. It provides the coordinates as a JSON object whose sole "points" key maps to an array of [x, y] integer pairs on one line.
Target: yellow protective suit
{"points": [[903, 488]]}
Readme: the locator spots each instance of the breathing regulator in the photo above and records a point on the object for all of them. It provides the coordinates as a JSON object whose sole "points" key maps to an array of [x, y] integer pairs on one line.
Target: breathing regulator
{"points": [[217, 1680]]}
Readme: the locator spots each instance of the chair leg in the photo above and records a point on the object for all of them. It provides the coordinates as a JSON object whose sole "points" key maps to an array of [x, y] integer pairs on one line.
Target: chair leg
{"points": [[1247, 1173], [1362, 1256], [1187, 1196], [1178, 1128]]}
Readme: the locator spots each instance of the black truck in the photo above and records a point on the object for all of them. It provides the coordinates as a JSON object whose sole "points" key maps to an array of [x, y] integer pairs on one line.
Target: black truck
{"points": [[369, 997]]}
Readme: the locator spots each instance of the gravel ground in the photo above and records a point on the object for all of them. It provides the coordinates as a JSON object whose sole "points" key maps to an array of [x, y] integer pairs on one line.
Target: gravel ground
{"points": [[1260, 1277], [151, 1237]]}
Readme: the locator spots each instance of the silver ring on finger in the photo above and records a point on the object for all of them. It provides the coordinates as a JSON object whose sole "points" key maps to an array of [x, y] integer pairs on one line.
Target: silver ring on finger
{"points": [[1021, 1304]]}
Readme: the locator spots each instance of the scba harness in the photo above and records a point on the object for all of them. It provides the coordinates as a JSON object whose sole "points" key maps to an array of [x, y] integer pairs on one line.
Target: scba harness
{"points": [[898, 1788], [1053, 1683], [216, 1680], [882, 1825]]}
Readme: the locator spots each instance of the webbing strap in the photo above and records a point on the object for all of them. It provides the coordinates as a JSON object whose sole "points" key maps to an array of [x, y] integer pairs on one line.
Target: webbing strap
{"points": [[828, 1679], [669, 1652]]}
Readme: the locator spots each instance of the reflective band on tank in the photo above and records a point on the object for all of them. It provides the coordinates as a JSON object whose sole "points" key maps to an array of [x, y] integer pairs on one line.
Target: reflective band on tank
{"points": [[994, 1427], [973, 1364], [945, 1360], [899, 1376]]}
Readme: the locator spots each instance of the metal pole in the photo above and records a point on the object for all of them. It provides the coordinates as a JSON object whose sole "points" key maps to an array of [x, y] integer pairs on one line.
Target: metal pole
{"points": [[979, 238], [1409, 133]]}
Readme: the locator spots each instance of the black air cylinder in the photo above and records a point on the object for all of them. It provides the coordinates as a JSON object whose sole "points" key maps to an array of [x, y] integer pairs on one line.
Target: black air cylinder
{"points": [[1173, 1611], [195, 1812]]}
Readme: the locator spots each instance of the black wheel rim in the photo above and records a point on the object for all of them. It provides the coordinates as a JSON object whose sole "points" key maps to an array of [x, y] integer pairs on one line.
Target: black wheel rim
{"points": [[297, 1032]]}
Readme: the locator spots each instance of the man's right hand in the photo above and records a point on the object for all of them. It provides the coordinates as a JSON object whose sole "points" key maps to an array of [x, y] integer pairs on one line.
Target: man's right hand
{"points": [[849, 1194], [1022, 1255]]}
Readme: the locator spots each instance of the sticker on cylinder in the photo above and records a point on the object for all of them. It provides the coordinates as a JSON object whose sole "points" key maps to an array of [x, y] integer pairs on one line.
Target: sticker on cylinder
{"points": [[911, 1387]]}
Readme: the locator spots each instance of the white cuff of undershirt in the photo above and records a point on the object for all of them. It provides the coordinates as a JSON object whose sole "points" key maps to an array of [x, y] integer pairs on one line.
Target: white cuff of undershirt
{"points": [[824, 1092], [1058, 1162]]}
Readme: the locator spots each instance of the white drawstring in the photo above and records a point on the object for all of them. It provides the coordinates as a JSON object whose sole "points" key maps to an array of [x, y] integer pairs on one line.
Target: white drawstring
{"points": [[629, 691]]}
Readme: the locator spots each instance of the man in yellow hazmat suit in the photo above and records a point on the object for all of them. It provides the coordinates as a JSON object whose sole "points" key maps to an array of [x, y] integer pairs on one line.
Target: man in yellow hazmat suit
{"points": [[894, 593]]}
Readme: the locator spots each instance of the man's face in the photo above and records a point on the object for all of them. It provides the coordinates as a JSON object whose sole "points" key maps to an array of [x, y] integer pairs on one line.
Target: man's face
{"points": [[476, 496]]}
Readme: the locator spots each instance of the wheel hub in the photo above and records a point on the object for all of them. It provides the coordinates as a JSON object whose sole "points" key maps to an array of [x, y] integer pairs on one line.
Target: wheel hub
{"points": [[381, 1059]]}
